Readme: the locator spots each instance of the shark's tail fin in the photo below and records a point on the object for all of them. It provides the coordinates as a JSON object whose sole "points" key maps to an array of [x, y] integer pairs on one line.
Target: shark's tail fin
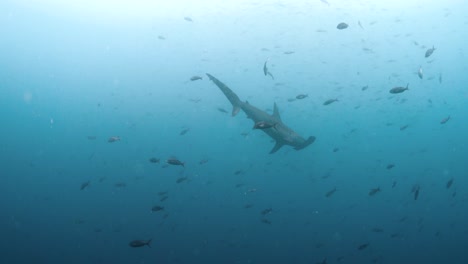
{"points": [[231, 96], [306, 143]]}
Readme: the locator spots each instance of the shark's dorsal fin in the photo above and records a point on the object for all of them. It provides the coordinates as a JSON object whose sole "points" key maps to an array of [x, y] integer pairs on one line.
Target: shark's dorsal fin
{"points": [[276, 112], [277, 146]]}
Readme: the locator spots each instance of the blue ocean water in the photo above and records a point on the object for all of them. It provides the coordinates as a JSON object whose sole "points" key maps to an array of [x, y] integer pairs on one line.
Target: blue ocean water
{"points": [[384, 182]]}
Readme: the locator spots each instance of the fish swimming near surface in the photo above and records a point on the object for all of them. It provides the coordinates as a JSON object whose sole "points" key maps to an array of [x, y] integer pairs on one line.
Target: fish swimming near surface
{"points": [[429, 52], [399, 89], [140, 243], [266, 71], [342, 25], [420, 72], [282, 134]]}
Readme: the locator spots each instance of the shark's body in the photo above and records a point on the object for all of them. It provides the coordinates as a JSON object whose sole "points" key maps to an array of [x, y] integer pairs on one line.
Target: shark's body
{"points": [[282, 134]]}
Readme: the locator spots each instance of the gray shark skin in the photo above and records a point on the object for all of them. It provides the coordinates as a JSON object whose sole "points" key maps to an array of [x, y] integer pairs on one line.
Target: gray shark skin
{"points": [[282, 134]]}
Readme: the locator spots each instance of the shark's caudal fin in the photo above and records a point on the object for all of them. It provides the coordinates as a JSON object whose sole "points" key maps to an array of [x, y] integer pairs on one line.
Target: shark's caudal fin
{"points": [[306, 143], [231, 96]]}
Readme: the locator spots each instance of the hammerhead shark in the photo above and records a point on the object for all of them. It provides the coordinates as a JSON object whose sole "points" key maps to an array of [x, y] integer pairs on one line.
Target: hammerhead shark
{"points": [[282, 134]]}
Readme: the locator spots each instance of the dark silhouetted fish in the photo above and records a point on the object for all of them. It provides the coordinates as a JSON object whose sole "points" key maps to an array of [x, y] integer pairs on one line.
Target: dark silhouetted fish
{"points": [[266, 71], [449, 183], [266, 211], [301, 96], [399, 89], [113, 139], [184, 131], [445, 120], [154, 160], [222, 110], [415, 191], [157, 208], [342, 25], [181, 179], [196, 78], [330, 193], [140, 243], [188, 19], [374, 191], [429, 52], [330, 101], [364, 88], [404, 127], [363, 246], [174, 161], [390, 166], [84, 185]]}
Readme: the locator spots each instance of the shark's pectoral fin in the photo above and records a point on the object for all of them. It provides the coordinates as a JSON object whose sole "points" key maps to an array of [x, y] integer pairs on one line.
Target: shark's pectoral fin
{"points": [[277, 146], [235, 110], [306, 143]]}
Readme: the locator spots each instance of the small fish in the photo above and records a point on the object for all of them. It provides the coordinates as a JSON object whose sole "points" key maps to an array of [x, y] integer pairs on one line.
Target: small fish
{"points": [[120, 185], [449, 183], [420, 72], [342, 25], [84, 185], [203, 161], [301, 96], [363, 246], [415, 190], [181, 179], [390, 166], [266, 211], [264, 125], [154, 160], [113, 139], [404, 127], [336, 149], [157, 208], [195, 78], [365, 88], [174, 161], [288, 52], [266, 221], [184, 131], [163, 198], [394, 184], [330, 193], [377, 230], [325, 2], [324, 261], [330, 101], [360, 25], [429, 52], [161, 37], [140, 243], [373, 191], [445, 120], [397, 90], [188, 19], [92, 137], [266, 71], [222, 110]]}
